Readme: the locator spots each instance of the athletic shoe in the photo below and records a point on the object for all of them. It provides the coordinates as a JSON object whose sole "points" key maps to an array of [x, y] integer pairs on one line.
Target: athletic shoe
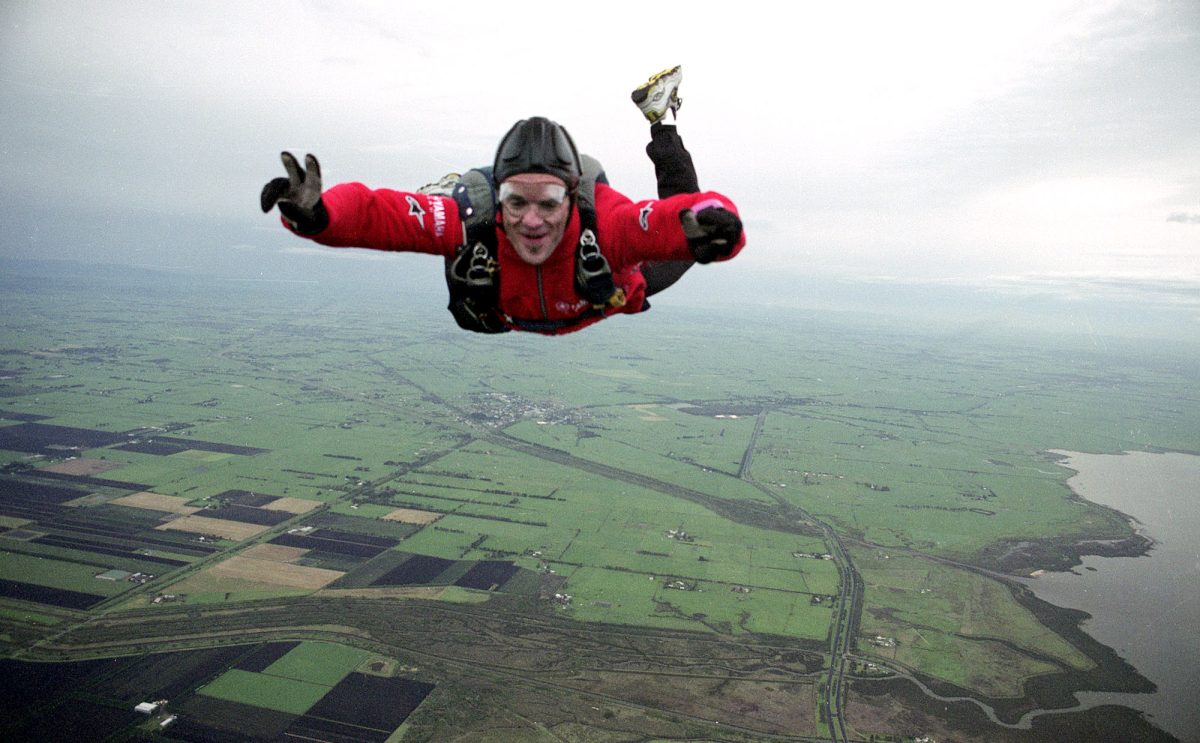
{"points": [[660, 94]]}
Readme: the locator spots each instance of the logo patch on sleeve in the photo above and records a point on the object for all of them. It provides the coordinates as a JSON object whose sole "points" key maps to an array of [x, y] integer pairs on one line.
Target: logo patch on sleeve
{"points": [[415, 209], [437, 206], [644, 216]]}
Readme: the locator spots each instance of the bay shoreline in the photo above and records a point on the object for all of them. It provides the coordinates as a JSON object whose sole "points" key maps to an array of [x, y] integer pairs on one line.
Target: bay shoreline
{"points": [[1050, 709]]}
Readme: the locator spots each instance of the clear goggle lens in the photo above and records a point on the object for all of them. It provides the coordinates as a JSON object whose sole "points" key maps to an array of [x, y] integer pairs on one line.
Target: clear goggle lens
{"points": [[546, 201]]}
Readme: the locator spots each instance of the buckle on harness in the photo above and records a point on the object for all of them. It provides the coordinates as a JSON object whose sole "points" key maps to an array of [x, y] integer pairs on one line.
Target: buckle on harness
{"points": [[593, 276], [478, 269], [472, 280]]}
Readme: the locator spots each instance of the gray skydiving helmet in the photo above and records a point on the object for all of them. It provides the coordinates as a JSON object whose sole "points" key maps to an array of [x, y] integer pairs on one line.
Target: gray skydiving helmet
{"points": [[538, 145]]}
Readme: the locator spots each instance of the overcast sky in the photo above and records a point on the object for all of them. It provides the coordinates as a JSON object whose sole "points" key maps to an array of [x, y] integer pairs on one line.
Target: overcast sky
{"points": [[948, 140]]}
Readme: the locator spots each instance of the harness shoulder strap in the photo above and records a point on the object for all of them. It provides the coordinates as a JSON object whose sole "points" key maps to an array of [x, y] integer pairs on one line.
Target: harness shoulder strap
{"points": [[593, 275], [475, 194], [473, 274]]}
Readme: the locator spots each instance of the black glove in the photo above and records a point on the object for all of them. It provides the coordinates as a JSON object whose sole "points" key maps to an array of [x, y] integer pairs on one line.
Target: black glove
{"points": [[298, 196], [711, 232]]}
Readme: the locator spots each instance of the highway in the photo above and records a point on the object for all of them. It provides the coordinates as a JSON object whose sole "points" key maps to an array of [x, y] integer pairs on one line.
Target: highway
{"points": [[844, 628]]}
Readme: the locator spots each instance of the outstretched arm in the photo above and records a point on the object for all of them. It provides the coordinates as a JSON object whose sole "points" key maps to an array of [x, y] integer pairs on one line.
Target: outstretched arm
{"points": [[352, 215], [689, 227]]}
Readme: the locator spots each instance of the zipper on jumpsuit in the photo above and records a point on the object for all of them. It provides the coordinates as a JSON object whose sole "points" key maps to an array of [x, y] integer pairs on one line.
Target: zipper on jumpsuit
{"points": [[541, 295]]}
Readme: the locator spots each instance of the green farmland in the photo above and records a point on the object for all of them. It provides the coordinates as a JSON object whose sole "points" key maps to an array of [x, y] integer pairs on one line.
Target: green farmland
{"points": [[668, 526]]}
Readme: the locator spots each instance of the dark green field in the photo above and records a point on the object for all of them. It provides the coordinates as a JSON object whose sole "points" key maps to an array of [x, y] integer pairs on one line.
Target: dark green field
{"points": [[720, 525]]}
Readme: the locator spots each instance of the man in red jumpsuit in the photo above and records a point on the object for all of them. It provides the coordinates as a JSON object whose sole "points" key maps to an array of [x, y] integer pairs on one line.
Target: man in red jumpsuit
{"points": [[537, 172]]}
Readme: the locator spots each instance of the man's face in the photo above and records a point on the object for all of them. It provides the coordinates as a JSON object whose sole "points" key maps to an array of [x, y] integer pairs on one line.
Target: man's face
{"points": [[536, 210]]}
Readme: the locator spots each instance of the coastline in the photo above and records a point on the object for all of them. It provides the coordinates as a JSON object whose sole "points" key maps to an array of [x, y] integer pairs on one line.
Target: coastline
{"points": [[1064, 706], [1145, 609], [1049, 711], [1024, 557], [966, 722]]}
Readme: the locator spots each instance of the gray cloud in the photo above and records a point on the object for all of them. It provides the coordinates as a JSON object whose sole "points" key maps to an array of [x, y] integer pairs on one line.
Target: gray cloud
{"points": [[850, 148]]}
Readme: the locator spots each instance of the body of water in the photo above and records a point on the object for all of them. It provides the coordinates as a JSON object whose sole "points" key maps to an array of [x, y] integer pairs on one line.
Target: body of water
{"points": [[1146, 608]]}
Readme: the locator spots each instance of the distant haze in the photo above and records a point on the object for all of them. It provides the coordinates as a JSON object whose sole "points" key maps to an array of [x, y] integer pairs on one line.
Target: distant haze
{"points": [[932, 141]]}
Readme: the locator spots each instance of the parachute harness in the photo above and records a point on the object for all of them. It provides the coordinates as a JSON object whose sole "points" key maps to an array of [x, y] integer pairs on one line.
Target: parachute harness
{"points": [[473, 274]]}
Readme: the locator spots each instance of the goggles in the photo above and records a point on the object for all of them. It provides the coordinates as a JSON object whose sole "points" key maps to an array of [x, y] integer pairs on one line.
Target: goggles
{"points": [[546, 198]]}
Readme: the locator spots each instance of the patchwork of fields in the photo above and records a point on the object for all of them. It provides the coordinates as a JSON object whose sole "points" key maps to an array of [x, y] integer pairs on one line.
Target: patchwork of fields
{"points": [[267, 691], [206, 458]]}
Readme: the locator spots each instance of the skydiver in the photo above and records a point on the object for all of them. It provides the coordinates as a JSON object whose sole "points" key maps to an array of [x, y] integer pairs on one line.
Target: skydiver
{"points": [[502, 230]]}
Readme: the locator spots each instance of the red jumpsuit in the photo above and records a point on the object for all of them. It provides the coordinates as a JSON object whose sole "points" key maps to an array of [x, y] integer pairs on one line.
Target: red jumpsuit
{"points": [[628, 233]]}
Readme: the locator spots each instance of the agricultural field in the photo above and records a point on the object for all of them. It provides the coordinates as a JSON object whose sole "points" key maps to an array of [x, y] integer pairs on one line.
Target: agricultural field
{"points": [[267, 690], [377, 506]]}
